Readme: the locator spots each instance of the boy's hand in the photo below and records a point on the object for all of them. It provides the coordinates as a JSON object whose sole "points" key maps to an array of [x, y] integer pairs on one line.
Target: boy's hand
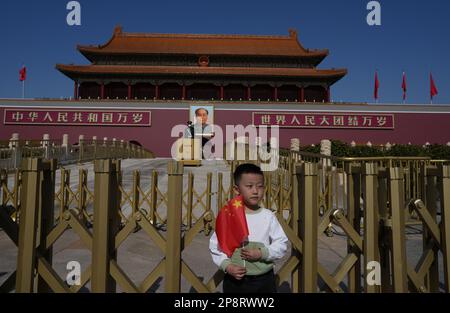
{"points": [[251, 254], [236, 271]]}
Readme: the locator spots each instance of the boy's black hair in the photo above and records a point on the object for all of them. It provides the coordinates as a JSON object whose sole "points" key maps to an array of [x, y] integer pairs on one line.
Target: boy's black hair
{"points": [[246, 168]]}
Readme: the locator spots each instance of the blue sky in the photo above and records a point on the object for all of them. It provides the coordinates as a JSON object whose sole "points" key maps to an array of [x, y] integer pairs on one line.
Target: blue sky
{"points": [[414, 37]]}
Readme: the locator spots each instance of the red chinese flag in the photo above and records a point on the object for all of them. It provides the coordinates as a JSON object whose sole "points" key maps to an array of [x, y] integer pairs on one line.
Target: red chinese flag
{"points": [[433, 89], [23, 74], [404, 85], [231, 226], [377, 85]]}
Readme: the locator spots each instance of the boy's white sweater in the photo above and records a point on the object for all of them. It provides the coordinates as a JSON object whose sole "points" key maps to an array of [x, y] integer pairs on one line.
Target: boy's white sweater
{"points": [[264, 228]]}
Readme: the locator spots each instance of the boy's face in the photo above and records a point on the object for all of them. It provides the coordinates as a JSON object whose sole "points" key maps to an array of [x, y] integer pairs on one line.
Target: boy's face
{"points": [[251, 187]]}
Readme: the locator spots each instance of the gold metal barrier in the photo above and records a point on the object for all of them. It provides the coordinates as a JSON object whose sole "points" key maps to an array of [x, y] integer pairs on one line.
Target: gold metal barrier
{"points": [[374, 225]]}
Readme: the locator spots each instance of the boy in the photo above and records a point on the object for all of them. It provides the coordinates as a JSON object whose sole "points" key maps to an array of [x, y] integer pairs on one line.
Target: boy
{"points": [[250, 268]]}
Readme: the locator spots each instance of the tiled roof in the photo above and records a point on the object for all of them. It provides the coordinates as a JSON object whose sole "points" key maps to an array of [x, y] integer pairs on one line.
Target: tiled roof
{"points": [[197, 44], [71, 70]]}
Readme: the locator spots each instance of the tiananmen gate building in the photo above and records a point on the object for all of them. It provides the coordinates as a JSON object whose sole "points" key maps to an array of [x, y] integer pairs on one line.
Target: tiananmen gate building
{"points": [[138, 86], [202, 67]]}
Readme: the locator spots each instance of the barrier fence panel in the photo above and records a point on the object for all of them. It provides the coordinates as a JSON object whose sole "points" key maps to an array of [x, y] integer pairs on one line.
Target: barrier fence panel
{"points": [[14, 150], [367, 200]]}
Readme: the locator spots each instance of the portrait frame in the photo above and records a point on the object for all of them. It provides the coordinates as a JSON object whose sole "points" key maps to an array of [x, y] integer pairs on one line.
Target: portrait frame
{"points": [[210, 111]]}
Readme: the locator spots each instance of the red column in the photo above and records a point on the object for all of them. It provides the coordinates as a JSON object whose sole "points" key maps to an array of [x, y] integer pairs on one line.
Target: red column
{"points": [[249, 93], [275, 93], [328, 94], [302, 94], [183, 96], [157, 91], [221, 92], [75, 90], [102, 91], [129, 91]]}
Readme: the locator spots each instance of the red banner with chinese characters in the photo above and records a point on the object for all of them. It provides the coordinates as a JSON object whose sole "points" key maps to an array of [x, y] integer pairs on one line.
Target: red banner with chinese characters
{"points": [[324, 120], [62, 117]]}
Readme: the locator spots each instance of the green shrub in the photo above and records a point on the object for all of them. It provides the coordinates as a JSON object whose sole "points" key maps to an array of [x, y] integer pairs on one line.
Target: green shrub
{"points": [[407, 151], [340, 148], [343, 149], [438, 152], [365, 152], [311, 149]]}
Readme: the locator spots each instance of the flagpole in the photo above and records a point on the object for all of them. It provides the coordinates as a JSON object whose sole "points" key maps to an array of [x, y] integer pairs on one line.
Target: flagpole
{"points": [[243, 248], [404, 86], [433, 89], [376, 86], [23, 89]]}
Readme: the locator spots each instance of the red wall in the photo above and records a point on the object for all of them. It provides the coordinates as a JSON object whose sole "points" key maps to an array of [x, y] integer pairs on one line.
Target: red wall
{"points": [[417, 128]]}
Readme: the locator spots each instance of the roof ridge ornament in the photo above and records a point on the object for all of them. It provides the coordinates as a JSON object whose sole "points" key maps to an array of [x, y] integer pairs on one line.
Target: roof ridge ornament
{"points": [[293, 33], [117, 30]]}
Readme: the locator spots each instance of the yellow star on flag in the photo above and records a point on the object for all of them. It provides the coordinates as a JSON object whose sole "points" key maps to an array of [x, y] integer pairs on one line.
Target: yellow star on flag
{"points": [[237, 204]]}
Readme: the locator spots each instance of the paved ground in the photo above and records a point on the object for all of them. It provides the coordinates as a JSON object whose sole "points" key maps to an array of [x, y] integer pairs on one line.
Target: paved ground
{"points": [[138, 255]]}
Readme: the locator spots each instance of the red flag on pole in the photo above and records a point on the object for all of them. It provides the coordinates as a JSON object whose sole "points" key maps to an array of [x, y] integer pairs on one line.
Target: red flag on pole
{"points": [[231, 226], [433, 89], [377, 85], [404, 86], [23, 73]]}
